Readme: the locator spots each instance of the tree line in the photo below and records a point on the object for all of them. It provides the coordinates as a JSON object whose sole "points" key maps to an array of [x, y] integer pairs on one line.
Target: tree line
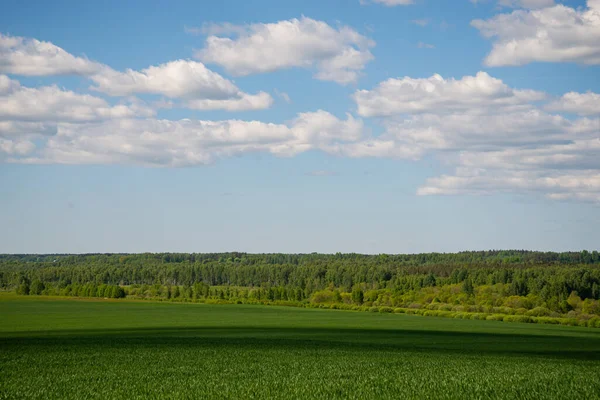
{"points": [[506, 282]]}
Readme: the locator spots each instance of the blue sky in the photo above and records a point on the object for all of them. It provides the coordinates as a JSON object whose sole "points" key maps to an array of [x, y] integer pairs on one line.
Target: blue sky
{"points": [[299, 126]]}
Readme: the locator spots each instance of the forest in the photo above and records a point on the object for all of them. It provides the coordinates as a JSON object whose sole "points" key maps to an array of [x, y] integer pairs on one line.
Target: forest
{"points": [[513, 286]]}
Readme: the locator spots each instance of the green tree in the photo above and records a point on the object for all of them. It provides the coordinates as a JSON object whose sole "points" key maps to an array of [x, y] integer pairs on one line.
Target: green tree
{"points": [[358, 296], [468, 287], [23, 288], [37, 287]]}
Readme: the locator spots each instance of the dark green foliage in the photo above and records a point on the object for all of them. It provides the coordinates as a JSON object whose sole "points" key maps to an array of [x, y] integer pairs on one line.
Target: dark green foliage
{"points": [[468, 287], [493, 282], [358, 296]]}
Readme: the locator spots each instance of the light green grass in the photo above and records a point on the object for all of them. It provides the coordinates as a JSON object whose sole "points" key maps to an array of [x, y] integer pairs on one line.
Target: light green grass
{"points": [[61, 349]]}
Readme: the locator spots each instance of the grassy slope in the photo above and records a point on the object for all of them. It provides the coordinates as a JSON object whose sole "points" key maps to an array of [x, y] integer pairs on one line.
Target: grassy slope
{"points": [[52, 348]]}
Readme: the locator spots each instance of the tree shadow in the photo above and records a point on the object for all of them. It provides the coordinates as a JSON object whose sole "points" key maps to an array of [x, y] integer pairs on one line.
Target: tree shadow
{"points": [[566, 347]]}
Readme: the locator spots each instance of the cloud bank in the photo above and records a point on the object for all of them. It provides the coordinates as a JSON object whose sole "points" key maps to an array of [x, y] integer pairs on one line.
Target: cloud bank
{"points": [[336, 54]]}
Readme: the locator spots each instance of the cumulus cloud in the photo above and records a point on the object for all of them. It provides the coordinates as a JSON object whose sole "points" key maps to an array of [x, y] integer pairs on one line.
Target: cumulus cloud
{"points": [[31, 57], [496, 138], [337, 55], [12, 129], [240, 102], [471, 94], [179, 78], [187, 142], [15, 147], [560, 171], [486, 132], [30, 114], [577, 103], [50, 103], [552, 34], [191, 81]]}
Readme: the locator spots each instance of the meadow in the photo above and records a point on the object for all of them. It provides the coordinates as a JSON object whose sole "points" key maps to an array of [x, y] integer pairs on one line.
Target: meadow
{"points": [[54, 348]]}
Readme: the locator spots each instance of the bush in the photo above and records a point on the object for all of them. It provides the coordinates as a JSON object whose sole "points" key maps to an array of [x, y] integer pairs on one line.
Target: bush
{"points": [[517, 318], [593, 322], [386, 309], [323, 296], [539, 312], [374, 309], [547, 320], [399, 310], [569, 321]]}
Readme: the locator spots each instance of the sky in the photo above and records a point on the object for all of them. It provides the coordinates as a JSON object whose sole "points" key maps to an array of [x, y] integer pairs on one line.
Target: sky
{"points": [[367, 126]]}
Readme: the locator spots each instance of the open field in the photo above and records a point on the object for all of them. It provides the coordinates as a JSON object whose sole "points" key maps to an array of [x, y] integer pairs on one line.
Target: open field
{"points": [[67, 349]]}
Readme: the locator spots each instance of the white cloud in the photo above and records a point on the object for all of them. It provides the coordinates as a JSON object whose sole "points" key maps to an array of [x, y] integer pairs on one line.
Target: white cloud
{"points": [[50, 103], [242, 102], [13, 129], [188, 80], [560, 171], [199, 87], [174, 79], [30, 114], [15, 147], [189, 142], [496, 138], [338, 55], [577, 103], [553, 34], [31, 57], [471, 94], [321, 127], [378, 147], [460, 131]]}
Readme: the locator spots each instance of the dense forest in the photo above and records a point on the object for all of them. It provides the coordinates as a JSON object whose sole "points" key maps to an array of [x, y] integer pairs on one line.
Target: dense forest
{"points": [[509, 285]]}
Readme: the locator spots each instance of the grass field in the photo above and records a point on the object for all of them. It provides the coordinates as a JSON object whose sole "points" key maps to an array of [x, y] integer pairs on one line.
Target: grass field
{"points": [[68, 349]]}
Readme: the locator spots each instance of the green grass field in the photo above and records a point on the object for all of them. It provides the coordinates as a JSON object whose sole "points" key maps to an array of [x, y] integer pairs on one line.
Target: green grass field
{"points": [[77, 349]]}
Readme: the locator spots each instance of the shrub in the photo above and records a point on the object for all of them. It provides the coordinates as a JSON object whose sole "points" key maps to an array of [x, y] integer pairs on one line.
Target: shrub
{"points": [[386, 309], [568, 321], [323, 296], [593, 322], [539, 312], [547, 320], [517, 318]]}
